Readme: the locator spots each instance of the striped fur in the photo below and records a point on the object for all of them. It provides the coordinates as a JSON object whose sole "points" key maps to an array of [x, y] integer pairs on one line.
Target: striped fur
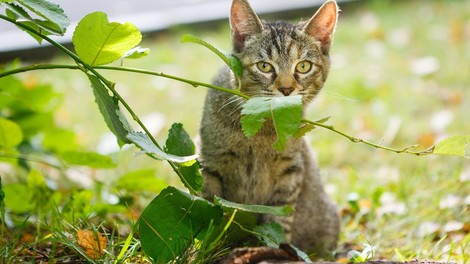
{"points": [[249, 170]]}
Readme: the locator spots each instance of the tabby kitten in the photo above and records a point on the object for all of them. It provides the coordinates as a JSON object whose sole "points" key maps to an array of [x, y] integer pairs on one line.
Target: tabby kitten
{"points": [[279, 59]]}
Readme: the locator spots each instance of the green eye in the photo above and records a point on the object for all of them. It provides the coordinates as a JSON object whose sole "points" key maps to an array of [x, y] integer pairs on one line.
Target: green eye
{"points": [[264, 67], [303, 67]]}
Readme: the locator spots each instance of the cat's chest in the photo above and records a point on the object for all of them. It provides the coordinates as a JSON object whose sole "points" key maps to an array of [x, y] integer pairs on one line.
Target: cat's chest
{"points": [[258, 171]]}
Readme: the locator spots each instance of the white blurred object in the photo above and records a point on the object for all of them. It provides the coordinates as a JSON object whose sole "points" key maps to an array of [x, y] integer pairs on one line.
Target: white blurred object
{"points": [[107, 144], [425, 65], [441, 120]]}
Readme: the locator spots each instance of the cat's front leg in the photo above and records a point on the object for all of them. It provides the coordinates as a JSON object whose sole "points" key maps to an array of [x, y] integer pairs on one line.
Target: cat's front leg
{"points": [[286, 193], [212, 184]]}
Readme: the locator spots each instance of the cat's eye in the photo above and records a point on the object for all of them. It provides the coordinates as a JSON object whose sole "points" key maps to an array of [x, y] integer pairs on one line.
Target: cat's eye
{"points": [[303, 67], [265, 67]]}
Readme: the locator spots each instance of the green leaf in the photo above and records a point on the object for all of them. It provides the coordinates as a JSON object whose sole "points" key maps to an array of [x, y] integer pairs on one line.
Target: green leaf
{"points": [[99, 42], [233, 62], [141, 180], [285, 112], [89, 159], [18, 198], [257, 209], [270, 234], [17, 12], [454, 145], [146, 144], [10, 134], [54, 14], [59, 140], [304, 129], [172, 221], [110, 111], [136, 53], [179, 143]]}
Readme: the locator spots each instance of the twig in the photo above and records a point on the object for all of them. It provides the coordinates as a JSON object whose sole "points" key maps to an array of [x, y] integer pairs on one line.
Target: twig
{"points": [[358, 140]]}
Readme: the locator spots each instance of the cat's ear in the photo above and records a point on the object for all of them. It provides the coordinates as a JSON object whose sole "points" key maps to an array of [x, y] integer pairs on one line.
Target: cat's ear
{"points": [[244, 23], [322, 25]]}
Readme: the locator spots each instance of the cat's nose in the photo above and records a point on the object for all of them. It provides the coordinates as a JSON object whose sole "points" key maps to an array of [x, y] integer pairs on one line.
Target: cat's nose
{"points": [[286, 91]]}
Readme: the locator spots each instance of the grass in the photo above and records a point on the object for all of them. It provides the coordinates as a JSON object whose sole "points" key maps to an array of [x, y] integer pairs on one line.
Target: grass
{"points": [[399, 76]]}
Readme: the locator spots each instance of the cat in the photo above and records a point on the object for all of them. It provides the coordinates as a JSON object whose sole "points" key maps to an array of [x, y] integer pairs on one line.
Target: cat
{"points": [[278, 59]]}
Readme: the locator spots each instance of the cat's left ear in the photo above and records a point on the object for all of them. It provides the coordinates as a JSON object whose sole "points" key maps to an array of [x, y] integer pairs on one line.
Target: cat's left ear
{"points": [[322, 25]]}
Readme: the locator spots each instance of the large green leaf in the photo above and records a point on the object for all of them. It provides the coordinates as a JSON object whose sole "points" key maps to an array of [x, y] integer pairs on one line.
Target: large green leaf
{"points": [[172, 221], [10, 134], [455, 145], [110, 111], [179, 143], [54, 14], [232, 61], [285, 112], [99, 42], [258, 209]]}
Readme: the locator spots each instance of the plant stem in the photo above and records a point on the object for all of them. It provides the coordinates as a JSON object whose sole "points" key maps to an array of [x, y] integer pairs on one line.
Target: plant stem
{"points": [[358, 140], [124, 69]]}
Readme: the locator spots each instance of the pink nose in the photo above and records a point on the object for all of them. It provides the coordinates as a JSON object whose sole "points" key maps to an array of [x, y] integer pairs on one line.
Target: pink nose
{"points": [[286, 91]]}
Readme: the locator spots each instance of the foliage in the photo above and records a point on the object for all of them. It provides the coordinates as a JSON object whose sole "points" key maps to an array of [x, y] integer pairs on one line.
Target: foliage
{"points": [[176, 223]]}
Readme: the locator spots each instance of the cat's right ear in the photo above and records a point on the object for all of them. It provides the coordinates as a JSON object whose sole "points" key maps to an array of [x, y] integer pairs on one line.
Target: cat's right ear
{"points": [[244, 23]]}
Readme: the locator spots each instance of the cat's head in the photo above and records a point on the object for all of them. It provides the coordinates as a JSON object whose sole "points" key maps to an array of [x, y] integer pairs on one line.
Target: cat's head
{"points": [[281, 59]]}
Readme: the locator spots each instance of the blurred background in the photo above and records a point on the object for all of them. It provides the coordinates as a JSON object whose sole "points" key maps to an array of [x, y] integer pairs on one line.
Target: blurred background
{"points": [[400, 76]]}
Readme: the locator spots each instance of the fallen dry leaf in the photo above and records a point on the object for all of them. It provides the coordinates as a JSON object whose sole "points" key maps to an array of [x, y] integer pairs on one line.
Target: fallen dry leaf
{"points": [[93, 243]]}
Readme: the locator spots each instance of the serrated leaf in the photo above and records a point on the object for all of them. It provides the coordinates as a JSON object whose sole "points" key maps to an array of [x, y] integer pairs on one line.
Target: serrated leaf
{"points": [[285, 210], [54, 14], [270, 234], [146, 144], [11, 134], [109, 108], [285, 112], [88, 159], [179, 143], [233, 62], [98, 42], [172, 221], [17, 12], [136, 53], [255, 112], [454, 145]]}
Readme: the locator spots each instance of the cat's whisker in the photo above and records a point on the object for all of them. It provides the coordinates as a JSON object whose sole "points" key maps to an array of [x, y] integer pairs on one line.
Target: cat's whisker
{"points": [[229, 101]]}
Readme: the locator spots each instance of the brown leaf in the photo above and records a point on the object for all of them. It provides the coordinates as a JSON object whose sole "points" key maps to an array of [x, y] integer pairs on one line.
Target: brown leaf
{"points": [[93, 243]]}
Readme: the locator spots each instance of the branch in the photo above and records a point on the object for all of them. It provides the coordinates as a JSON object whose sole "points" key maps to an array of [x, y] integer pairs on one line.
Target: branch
{"points": [[358, 140]]}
